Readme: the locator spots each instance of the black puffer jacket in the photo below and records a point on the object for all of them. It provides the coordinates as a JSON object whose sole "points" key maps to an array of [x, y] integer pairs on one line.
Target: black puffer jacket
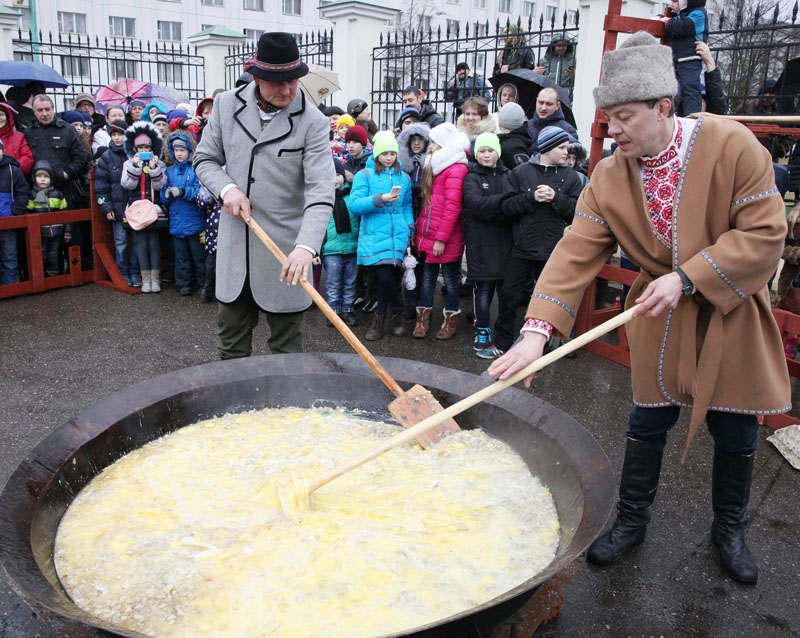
{"points": [[429, 115], [107, 187], [58, 144], [515, 147], [538, 226], [14, 191], [488, 230]]}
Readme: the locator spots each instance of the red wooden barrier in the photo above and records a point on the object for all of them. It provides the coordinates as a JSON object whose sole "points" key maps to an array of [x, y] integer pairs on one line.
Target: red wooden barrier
{"points": [[104, 271]]}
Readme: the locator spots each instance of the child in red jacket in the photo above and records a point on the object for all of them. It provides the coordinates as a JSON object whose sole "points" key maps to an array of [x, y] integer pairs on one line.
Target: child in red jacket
{"points": [[440, 226]]}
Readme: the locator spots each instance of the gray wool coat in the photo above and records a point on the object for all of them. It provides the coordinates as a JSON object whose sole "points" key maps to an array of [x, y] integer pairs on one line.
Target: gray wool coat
{"points": [[287, 172]]}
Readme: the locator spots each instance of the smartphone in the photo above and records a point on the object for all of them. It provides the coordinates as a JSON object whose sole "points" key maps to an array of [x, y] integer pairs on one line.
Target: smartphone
{"points": [[146, 156], [396, 190]]}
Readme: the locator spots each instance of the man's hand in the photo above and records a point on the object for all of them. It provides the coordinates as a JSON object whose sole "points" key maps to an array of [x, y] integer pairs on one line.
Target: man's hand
{"points": [[539, 69], [544, 193], [661, 294], [520, 356], [701, 49], [438, 248], [236, 203], [296, 266], [111, 216], [504, 68], [571, 71]]}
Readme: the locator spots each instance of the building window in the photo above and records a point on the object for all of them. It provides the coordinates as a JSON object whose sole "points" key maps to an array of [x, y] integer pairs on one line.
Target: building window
{"points": [[504, 6], [74, 66], [550, 13], [254, 5], [392, 83], [71, 22], [121, 69], [424, 23], [253, 34], [170, 73], [529, 9], [292, 7], [452, 27], [212, 3], [169, 31], [572, 17], [121, 27], [480, 4]]}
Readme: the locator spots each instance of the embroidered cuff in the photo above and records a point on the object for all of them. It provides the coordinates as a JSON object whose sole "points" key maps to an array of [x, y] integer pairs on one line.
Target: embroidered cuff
{"points": [[537, 325]]}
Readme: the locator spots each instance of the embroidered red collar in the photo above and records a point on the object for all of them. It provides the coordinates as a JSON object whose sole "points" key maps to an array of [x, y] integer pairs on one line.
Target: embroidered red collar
{"points": [[668, 154]]}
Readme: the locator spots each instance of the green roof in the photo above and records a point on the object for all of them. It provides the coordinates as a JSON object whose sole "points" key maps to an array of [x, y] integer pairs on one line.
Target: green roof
{"points": [[8, 11], [218, 29]]}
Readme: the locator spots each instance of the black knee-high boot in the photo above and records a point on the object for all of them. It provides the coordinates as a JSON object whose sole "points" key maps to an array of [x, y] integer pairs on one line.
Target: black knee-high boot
{"points": [[730, 493], [637, 491], [209, 282]]}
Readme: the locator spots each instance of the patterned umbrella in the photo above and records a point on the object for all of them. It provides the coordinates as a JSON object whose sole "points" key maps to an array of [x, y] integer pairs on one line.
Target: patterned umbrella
{"points": [[123, 92], [319, 83]]}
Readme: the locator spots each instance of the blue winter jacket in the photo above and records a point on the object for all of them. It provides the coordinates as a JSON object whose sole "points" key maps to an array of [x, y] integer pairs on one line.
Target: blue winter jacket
{"points": [[185, 217], [107, 182], [14, 191], [385, 228]]}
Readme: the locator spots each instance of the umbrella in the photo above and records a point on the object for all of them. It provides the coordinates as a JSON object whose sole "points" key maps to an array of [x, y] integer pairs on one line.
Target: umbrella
{"points": [[528, 86], [319, 83], [20, 72], [123, 92], [175, 96]]}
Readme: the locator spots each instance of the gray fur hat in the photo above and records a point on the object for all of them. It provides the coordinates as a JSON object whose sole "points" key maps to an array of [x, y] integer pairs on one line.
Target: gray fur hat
{"points": [[640, 69]]}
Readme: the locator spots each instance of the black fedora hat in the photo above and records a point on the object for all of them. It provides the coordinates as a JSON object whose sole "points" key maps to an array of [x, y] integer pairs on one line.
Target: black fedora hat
{"points": [[277, 58]]}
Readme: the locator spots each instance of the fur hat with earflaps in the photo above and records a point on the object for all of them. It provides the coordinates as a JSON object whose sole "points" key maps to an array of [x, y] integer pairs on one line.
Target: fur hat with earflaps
{"points": [[640, 69]]}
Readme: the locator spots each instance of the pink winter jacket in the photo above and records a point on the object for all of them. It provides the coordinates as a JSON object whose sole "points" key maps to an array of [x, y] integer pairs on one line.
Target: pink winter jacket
{"points": [[443, 219]]}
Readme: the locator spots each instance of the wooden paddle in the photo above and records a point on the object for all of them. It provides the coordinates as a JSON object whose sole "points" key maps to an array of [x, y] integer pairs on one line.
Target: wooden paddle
{"points": [[410, 407], [468, 402]]}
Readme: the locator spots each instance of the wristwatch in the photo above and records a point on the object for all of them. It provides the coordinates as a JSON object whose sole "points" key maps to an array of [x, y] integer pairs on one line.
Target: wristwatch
{"points": [[688, 287]]}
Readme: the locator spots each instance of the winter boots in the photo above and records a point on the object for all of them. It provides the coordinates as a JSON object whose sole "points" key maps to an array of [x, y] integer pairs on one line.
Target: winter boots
{"points": [[423, 323], [730, 492], [397, 315], [209, 281], [637, 491], [448, 329], [483, 345], [155, 281], [375, 331], [146, 285]]}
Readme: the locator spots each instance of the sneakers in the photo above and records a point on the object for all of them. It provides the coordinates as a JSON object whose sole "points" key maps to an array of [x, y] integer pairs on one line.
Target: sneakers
{"points": [[492, 352], [482, 339]]}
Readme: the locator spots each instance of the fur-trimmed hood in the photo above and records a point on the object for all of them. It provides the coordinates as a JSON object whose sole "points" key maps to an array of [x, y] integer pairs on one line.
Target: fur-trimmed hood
{"points": [[454, 153], [169, 156], [486, 125], [404, 141], [149, 129]]}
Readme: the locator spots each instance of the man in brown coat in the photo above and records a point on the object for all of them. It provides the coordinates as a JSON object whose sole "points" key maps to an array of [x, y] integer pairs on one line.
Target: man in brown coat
{"points": [[693, 203]]}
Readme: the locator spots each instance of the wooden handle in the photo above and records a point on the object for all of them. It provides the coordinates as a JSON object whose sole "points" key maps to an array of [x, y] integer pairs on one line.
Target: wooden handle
{"points": [[329, 312], [468, 402], [764, 119]]}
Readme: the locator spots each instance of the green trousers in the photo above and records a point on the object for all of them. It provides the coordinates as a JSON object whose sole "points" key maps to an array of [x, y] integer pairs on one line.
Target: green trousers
{"points": [[237, 320]]}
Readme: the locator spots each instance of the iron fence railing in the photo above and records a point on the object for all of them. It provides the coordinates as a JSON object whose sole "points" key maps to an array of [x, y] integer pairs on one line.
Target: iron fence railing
{"points": [[427, 59], [752, 52], [315, 48], [91, 63]]}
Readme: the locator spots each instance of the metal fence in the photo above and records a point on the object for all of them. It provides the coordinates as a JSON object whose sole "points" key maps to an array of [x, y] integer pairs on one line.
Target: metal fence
{"points": [[315, 48], [89, 65], [757, 51], [427, 59]]}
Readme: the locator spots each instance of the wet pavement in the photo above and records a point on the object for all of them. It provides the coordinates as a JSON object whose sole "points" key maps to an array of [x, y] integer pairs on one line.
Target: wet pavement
{"points": [[65, 350]]}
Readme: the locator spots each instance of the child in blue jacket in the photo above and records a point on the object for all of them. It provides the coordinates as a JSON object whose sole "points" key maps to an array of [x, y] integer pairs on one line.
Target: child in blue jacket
{"points": [[381, 195], [186, 220], [688, 25], [14, 193]]}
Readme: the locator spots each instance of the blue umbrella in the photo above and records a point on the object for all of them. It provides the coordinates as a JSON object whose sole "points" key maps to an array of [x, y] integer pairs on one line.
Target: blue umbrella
{"points": [[20, 72]]}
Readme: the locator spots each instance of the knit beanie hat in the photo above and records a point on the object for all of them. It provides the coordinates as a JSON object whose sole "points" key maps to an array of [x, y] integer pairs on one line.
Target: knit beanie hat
{"points": [[117, 125], [72, 116], [345, 119], [550, 137], [640, 69], [357, 134], [179, 142], [511, 116], [384, 141], [488, 139], [136, 103], [177, 114], [406, 113], [444, 134], [141, 139], [159, 117]]}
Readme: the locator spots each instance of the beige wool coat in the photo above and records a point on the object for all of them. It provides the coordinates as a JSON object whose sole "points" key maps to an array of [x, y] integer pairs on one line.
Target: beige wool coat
{"points": [[720, 349], [286, 170]]}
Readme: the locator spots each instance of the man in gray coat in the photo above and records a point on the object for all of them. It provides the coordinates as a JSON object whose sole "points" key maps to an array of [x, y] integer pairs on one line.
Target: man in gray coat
{"points": [[278, 168]]}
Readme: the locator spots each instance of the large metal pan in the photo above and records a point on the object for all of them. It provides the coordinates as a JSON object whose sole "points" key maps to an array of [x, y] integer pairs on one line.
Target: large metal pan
{"points": [[557, 448]]}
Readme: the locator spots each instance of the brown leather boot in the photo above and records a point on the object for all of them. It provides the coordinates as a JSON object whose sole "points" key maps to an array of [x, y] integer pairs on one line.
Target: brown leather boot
{"points": [[375, 331], [423, 323], [448, 329], [397, 318]]}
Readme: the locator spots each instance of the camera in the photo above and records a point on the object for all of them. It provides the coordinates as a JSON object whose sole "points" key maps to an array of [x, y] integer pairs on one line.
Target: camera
{"points": [[146, 156]]}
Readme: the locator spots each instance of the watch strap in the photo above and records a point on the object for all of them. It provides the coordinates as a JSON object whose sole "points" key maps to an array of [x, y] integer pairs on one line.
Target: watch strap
{"points": [[688, 287]]}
